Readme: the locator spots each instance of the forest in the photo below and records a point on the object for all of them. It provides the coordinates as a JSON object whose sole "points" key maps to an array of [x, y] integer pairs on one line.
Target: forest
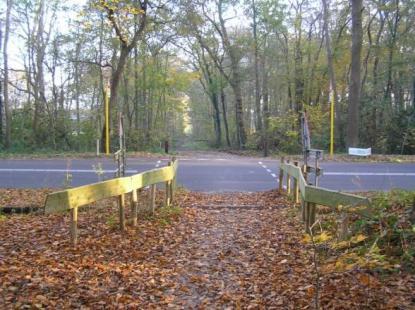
{"points": [[226, 74]]}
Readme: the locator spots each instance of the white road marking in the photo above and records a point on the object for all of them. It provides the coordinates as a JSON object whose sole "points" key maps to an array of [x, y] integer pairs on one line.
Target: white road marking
{"points": [[372, 173], [200, 159], [273, 175], [263, 166], [269, 170], [260, 162], [60, 170]]}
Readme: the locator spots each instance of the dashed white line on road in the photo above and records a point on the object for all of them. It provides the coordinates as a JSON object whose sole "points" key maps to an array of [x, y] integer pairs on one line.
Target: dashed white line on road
{"points": [[273, 175], [263, 166], [260, 162], [269, 170]]}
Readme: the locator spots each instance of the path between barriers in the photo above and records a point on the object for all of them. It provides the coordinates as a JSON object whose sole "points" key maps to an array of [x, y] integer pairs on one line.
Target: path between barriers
{"points": [[228, 250]]}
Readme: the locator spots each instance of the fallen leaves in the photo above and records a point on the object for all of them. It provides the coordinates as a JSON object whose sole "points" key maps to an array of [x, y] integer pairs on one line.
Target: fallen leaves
{"points": [[226, 256]]}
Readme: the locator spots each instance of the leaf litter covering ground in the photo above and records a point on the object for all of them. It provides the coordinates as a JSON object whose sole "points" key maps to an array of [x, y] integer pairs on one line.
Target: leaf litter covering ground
{"points": [[221, 251]]}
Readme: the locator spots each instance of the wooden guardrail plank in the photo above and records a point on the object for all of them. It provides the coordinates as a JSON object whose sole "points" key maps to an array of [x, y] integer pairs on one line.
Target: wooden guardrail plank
{"points": [[74, 198], [83, 195], [312, 195], [333, 198], [297, 174]]}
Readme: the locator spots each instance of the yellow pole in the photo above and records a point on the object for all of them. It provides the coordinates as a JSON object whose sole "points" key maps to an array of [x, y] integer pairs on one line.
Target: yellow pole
{"points": [[107, 122], [331, 122]]}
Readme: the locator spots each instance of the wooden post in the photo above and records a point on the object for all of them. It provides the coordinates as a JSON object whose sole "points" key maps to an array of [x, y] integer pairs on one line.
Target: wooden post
{"points": [[296, 189], [121, 205], [305, 173], [168, 190], [312, 216], [288, 181], [153, 198], [173, 184], [303, 210], [74, 226], [281, 177], [134, 205], [344, 226], [307, 216]]}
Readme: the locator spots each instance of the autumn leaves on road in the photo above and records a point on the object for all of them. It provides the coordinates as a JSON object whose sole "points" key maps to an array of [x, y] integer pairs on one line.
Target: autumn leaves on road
{"points": [[236, 250]]}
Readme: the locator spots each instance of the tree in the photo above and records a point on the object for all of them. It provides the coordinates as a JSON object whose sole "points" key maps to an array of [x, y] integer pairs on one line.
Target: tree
{"points": [[116, 12], [6, 103], [354, 84]]}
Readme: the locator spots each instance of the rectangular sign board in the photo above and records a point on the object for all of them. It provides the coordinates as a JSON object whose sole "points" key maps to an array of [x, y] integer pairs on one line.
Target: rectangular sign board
{"points": [[360, 152]]}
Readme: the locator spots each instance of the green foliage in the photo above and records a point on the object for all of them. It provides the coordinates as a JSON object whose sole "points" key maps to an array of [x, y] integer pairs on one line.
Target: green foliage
{"points": [[165, 215], [385, 240], [284, 132]]}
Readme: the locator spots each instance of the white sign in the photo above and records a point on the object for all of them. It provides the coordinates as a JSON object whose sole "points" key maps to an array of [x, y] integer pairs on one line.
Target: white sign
{"points": [[360, 152]]}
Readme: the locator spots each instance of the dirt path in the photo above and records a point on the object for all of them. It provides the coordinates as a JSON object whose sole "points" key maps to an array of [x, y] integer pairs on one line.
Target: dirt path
{"points": [[241, 254], [222, 251]]}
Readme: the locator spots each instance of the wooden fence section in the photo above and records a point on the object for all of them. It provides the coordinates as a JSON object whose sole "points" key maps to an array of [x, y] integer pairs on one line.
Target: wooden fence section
{"points": [[311, 195], [74, 198]]}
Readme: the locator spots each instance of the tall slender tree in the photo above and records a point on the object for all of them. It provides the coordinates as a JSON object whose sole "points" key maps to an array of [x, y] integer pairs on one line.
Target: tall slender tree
{"points": [[352, 139]]}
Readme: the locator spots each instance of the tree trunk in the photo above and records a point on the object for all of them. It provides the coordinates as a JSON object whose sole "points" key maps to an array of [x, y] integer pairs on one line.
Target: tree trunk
{"points": [[332, 76], [77, 92], [7, 134], [1, 89], [218, 128], [258, 116], [136, 95], [235, 81], [354, 86], [265, 97], [224, 113]]}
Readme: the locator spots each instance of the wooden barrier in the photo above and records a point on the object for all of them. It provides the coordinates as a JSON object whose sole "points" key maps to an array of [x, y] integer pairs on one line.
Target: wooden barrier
{"points": [[74, 198], [311, 195]]}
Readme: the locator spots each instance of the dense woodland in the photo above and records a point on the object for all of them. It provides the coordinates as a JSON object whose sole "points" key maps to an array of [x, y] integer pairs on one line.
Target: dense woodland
{"points": [[225, 73]]}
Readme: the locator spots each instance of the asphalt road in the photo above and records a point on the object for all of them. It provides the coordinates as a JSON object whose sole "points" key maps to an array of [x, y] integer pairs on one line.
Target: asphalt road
{"points": [[205, 173]]}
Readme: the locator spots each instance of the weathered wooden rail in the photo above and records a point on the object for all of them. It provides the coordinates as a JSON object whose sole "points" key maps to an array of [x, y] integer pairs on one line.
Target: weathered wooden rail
{"points": [[310, 196], [74, 198]]}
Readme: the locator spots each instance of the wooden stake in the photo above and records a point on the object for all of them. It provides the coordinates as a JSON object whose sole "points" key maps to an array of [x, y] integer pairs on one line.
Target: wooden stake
{"points": [[74, 226], [303, 210], [121, 205], [307, 216], [281, 176], [312, 217], [167, 190], [134, 203], [153, 198], [344, 226], [296, 189]]}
